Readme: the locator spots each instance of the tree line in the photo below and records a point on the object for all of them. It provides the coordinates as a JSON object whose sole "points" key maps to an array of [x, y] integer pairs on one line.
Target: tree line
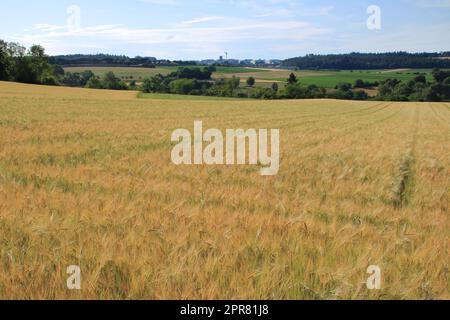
{"points": [[108, 60], [33, 66], [370, 61], [188, 82], [194, 81], [418, 89], [102, 60], [26, 65], [87, 79]]}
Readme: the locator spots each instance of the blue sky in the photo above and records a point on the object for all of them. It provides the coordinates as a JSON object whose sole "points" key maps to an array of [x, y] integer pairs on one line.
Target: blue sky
{"points": [[185, 29]]}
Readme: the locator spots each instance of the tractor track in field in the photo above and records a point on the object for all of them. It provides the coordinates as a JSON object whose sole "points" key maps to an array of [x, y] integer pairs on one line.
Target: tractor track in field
{"points": [[403, 186]]}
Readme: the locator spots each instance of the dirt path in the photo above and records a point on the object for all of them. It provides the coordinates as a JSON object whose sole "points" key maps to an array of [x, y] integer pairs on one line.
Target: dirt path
{"points": [[395, 70]]}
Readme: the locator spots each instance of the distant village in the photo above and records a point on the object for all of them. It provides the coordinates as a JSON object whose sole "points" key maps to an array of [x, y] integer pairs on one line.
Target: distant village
{"points": [[244, 63]]}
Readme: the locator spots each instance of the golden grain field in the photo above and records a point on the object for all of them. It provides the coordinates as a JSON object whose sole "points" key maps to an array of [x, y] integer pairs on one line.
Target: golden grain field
{"points": [[86, 179]]}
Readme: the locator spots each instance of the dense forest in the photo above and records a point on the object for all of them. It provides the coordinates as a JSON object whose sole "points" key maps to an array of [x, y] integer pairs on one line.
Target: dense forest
{"points": [[33, 66], [27, 66], [107, 60], [368, 61], [102, 60]]}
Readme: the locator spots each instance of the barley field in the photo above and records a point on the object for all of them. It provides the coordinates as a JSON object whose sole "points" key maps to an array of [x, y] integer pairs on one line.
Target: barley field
{"points": [[86, 179]]}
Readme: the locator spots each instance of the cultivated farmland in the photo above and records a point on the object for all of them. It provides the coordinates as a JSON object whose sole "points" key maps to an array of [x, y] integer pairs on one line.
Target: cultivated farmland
{"points": [[265, 77], [331, 78], [86, 179], [139, 73], [135, 73]]}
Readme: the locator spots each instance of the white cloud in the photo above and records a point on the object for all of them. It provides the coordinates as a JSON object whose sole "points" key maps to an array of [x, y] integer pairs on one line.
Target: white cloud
{"points": [[319, 11], [195, 38], [47, 27], [203, 19]]}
